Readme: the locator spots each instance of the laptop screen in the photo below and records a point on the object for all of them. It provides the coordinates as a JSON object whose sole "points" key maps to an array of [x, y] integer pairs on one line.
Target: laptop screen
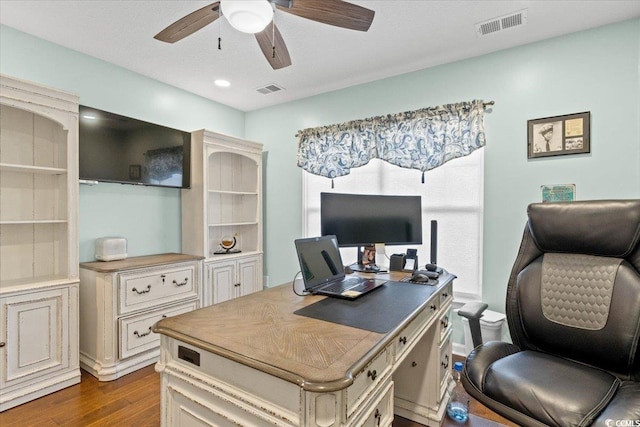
{"points": [[320, 260]]}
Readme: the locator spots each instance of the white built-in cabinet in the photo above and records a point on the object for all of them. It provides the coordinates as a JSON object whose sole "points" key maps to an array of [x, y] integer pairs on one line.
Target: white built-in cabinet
{"points": [[225, 199], [38, 241], [234, 278]]}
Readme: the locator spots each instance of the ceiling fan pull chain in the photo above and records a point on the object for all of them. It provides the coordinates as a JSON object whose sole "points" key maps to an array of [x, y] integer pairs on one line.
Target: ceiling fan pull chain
{"points": [[273, 36], [220, 34]]}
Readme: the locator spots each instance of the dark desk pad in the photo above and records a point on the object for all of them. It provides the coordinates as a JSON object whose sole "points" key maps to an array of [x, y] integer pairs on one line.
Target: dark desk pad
{"points": [[378, 311]]}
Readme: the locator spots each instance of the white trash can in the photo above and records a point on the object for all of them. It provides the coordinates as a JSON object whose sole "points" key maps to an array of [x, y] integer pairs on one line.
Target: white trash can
{"points": [[491, 324]]}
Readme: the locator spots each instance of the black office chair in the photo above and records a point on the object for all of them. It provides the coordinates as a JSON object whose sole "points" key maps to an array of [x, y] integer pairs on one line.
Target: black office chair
{"points": [[573, 310]]}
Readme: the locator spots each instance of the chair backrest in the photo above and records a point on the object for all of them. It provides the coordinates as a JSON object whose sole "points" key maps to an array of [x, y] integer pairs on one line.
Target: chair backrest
{"points": [[574, 290]]}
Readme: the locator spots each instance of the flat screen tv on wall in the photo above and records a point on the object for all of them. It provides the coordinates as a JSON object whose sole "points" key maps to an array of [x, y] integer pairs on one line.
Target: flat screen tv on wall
{"points": [[115, 148]]}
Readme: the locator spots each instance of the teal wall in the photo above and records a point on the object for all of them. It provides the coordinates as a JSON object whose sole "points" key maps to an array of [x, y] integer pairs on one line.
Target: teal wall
{"points": [[596, 71], [148, 217]]}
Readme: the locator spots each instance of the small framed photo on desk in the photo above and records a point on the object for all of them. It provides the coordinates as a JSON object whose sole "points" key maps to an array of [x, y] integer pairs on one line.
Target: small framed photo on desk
{"points": [[368, 255]]}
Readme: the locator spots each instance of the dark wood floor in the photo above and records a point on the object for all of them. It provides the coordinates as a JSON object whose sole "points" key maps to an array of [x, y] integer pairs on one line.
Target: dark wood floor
{"points": [[134, 400]]}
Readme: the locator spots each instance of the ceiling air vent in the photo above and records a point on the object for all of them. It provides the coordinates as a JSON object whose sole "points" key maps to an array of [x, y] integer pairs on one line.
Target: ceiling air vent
{"points": [[501, 23], [270, 88]]}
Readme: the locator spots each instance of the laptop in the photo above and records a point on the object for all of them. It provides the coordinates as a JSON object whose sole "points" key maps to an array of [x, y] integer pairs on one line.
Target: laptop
{"points": [[323, 271]]}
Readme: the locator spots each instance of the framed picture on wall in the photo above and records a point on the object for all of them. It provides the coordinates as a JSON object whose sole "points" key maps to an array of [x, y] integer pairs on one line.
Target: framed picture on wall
{"points": [[559, 135]]}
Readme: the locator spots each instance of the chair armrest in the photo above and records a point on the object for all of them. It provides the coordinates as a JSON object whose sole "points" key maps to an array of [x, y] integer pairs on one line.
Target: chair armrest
{"points": [[472, 310]]}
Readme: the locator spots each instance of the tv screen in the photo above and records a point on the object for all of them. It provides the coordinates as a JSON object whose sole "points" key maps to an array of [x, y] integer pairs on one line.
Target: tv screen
{"points": [[114, 148], [360, 220]]}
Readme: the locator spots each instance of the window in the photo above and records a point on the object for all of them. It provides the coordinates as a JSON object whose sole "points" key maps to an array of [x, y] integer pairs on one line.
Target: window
{"points": [[452, 195]]}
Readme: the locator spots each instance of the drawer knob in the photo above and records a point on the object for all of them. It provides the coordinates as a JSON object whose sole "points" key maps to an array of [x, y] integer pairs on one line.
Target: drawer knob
{"points": [[143, 334], [445, 362], [162, 276], [403, 340], [377, 416], [445, 295], [372, 374], [433, 307], [445, 321], [2, 344], [144, 291], [186, 279], [414, 364]]}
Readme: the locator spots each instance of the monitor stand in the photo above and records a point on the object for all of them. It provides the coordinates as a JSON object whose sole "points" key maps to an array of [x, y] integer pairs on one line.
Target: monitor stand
{"points": [[371, 266], [368, 268]]}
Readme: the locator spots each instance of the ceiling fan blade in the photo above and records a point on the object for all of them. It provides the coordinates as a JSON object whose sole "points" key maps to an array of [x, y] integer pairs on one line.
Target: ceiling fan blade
{"points": [[278, 58], [190, 24], [333, 12]]}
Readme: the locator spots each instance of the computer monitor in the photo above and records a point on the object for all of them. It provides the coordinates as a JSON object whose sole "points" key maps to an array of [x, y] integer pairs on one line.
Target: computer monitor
{"points": [[360, 220]]}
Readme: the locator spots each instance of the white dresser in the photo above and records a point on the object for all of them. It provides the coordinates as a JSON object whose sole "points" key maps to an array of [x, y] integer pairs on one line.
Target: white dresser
{"points": [[121, 300]]}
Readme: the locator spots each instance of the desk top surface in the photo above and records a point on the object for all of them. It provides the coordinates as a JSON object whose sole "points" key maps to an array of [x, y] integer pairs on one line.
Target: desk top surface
{"points": [[260, 330]]}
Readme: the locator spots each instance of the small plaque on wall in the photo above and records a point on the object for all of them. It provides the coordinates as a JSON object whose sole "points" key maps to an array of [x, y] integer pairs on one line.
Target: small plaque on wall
{"points": [[558, 193]]}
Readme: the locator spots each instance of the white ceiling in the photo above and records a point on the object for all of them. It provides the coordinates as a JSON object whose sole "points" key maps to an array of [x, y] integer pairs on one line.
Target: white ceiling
{"points": [[406, 35]]}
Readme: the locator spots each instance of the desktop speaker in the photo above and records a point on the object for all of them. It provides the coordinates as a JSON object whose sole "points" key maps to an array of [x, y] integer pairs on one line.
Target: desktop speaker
{"points": [[111, 248], [396, 262], [434, 242]]}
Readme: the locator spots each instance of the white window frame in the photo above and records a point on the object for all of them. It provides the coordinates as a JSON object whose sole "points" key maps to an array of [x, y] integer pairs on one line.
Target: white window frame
{"points": [[468, 286]]}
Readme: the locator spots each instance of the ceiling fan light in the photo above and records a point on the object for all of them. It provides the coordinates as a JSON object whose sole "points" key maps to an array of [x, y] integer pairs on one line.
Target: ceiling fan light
{"points": [[248, 16]]}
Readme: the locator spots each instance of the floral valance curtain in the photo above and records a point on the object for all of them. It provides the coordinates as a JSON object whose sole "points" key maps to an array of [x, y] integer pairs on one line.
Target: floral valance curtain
{"points": [[422, 139]]}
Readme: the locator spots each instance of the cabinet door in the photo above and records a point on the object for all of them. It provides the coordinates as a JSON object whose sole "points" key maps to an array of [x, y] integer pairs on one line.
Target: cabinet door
{"points": [[249, 276], [223, 280], [36, 335]]}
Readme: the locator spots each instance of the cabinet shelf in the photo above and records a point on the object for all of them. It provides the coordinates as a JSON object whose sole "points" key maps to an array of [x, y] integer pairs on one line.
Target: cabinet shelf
{"points": [[34, 282], [9, 167], [235, 193], [37, 221], [232, 224]]}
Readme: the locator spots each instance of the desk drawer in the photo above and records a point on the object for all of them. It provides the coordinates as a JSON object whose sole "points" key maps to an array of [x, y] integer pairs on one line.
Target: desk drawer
{"points": [[381, 410], [444, 325], [135, 331], [153, 287], [446, 294], [406, 337], [366, 381], [446, 364]]}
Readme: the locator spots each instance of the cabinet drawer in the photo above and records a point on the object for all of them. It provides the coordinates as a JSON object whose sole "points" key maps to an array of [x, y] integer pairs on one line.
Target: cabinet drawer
{"points": [[153, 287], [444, 325], [381, 412], [365, 382], [408, 334], [446, 294], [446, 364], [135, 331]]}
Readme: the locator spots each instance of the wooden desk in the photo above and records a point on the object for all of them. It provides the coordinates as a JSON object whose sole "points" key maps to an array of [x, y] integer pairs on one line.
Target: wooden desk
{"points": [[252, 362]]}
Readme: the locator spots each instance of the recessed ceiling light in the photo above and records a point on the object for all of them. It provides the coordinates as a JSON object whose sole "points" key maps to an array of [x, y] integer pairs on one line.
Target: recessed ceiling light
{"points": [[222, 83]]}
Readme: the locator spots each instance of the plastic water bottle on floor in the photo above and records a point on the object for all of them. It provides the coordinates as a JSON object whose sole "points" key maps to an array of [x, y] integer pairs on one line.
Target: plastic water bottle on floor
{"points": [[458, 406]]}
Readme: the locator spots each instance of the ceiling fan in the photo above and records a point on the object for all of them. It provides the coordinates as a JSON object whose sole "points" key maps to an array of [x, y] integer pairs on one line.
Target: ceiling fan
{"points": [[256, 16]]}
